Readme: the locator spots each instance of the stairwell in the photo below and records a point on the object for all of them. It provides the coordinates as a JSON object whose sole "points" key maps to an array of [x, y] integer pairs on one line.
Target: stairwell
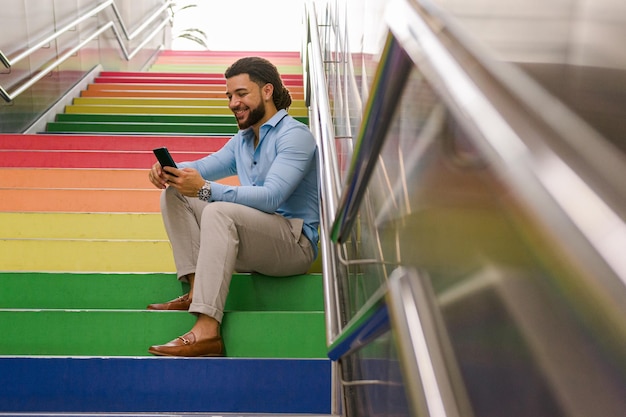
{"points": [[83, 251]]}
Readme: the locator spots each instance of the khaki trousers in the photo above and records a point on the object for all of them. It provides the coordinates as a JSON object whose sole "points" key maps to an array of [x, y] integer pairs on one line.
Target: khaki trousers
{"points": [[213, 240]]}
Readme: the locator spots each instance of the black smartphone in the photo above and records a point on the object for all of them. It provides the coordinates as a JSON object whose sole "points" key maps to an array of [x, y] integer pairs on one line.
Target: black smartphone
{"points": [[164, 157]]}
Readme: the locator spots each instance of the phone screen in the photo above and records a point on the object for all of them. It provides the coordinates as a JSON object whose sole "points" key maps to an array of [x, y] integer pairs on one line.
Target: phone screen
{"points": [[164, 157]]}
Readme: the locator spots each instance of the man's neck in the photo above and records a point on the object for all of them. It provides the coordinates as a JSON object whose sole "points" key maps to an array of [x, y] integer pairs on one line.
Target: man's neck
{"points": [[257, 127]]}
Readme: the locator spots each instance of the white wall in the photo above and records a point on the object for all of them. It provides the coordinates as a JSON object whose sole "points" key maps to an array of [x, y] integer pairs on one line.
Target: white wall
{"points": [[243, 25]]}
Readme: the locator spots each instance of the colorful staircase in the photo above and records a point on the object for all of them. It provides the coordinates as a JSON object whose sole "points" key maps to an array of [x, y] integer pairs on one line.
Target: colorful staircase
{"points": [[83, 251]]}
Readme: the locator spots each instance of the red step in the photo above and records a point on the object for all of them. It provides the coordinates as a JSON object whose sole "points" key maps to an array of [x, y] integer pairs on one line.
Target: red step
{"points": [[175, 80], [181, 75], [109, 143], [87, 159]]}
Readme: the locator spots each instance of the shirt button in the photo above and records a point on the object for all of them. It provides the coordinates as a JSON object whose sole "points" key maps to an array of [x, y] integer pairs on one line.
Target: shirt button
{"points": [[254, 162]]}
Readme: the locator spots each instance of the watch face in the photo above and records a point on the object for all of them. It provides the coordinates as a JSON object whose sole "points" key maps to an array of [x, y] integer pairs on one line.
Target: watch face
{"points": [[204, 193]]}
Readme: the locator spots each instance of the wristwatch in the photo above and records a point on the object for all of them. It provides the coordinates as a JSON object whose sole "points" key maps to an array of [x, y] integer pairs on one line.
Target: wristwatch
{"points": [[204, 193]]}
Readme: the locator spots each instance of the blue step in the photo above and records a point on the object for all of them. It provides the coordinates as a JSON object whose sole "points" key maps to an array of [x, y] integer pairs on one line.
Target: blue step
{"points": [[164, 385]]}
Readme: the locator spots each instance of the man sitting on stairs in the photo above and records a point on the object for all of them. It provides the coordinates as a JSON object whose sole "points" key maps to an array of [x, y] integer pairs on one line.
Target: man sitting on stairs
{"points": [[267, 224]]}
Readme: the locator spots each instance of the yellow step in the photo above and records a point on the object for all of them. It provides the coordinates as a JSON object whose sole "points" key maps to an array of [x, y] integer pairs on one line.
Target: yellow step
{"points": [[33, 225], [82, 255]]}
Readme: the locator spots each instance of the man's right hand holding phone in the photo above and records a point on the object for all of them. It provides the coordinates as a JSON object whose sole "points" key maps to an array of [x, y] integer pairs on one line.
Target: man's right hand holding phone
{"points": [[186, 180]]}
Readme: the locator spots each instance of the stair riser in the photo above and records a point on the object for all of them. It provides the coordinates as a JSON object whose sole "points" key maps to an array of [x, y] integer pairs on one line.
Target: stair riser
{"points": [[111, 143], [163, 102], [90, 201], [174, 79], [131, 92], [162, 109], [88, 159], [143, 128], [203, 68], [131, 333], [147, 118], [86, 255], [248, 292], [100, 179], [173, 385], [89, 226], [213, 89]]}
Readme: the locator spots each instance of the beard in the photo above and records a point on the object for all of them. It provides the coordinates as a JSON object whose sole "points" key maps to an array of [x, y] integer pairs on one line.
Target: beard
{"points": [[254, 116]]}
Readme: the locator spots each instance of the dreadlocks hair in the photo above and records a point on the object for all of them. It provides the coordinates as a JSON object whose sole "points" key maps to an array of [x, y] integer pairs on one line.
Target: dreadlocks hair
{"points": [[261, 72]]}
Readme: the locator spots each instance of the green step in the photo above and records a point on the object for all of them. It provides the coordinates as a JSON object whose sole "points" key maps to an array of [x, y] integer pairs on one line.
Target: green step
{"points": [[248, 292], [130, 128], [131, 333], [150, 118], [162, 109]]}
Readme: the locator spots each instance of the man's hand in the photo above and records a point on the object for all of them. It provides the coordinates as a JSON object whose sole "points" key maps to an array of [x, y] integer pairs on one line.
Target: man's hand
{"points": [[157, 176], [187, 180]]}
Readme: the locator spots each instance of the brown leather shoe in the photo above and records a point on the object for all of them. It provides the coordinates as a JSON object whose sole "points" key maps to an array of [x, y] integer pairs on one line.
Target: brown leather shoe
{"points": [[181, 303], [188, 345]]}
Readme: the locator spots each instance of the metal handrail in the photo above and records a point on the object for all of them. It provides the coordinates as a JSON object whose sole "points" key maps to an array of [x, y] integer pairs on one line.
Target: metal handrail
{"points": [[431, 375], [323, 130], [541, 181], [389, 81], [8, 63]]}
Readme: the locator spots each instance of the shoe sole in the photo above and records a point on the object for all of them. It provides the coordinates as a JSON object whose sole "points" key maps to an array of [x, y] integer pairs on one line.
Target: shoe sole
{"points": [[208, 355]]}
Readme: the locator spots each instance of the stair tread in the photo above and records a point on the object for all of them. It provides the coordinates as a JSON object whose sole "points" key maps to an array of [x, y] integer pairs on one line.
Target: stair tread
{"points": [[248, 292]]}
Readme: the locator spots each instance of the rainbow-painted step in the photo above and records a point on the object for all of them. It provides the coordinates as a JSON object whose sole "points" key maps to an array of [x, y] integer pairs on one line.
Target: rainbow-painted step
{"points": [[247, 334], [185, 75], [112, 143], [99, 291], [141, 128], [165, 90], [164, 385], [213, 76], [148, 118], [161, 109]]}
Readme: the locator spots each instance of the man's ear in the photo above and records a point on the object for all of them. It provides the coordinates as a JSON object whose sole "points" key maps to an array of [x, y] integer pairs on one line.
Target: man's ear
{"points": [[268, 91]]}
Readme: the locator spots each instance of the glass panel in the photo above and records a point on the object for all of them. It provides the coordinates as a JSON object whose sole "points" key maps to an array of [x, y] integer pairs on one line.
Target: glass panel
{"points": [[375, 386], [531, 334]]}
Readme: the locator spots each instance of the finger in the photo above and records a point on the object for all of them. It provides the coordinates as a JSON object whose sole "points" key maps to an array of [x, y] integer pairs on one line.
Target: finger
{"points": [[173, 172], [156, 177]]}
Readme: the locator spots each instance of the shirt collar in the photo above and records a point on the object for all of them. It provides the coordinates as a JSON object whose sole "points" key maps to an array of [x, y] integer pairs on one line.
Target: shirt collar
{"points": [[271, 123]]}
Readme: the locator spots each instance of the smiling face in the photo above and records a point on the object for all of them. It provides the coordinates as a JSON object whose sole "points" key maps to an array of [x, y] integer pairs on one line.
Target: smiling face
{"points": [[247, 100]]}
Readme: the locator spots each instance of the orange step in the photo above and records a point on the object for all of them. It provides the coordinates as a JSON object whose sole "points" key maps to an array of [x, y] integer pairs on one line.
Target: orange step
{"points": [[80, 190], [131, 179], [80, 200]]}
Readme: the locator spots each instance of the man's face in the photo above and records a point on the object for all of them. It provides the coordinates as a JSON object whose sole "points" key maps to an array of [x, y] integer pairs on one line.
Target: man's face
{"points": [[245, 100]]}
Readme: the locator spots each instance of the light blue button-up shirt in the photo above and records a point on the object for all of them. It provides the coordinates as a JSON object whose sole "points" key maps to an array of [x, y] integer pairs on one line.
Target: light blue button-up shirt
{"points": [[279, 176]]}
